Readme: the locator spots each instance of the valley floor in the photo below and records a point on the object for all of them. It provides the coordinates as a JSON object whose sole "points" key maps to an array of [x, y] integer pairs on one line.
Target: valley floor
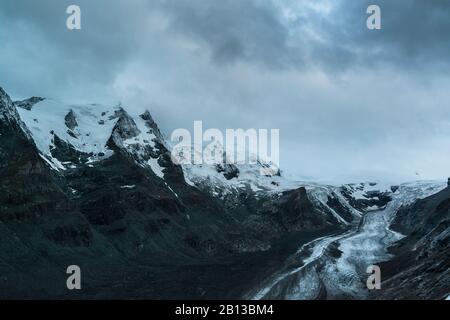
{"points": [[334, 267]]}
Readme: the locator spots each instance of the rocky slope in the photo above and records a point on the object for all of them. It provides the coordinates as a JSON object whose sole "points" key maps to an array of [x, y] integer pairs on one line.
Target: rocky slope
{"points": [[420, 268]]}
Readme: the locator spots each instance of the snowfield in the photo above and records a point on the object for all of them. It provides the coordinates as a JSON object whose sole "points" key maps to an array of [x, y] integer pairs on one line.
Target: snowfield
{"points": [[93, 129]]}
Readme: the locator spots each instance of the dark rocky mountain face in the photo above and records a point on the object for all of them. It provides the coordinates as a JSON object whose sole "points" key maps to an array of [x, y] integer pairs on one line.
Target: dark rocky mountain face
{"points": [[28, 187], [28, 103], [33, 204], [422, 258], [291, 212], [372, 198]]}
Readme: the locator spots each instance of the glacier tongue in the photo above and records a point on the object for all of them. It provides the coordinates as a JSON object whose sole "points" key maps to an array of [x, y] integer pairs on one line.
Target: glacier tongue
{"points": [[325, 274]]}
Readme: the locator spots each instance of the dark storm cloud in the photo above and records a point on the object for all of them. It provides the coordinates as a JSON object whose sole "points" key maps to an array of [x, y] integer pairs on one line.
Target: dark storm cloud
{"points": [[108, 26], [413, 32], [111, 32], [340, 94], [234, 30]]}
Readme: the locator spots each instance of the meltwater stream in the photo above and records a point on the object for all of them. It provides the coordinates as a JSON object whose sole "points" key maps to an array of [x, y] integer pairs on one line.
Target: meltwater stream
{"points": [[335, 266]]}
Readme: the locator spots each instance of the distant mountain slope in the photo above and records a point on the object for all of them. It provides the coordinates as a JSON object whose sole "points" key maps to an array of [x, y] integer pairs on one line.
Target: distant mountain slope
{"points": [[421, 266]]}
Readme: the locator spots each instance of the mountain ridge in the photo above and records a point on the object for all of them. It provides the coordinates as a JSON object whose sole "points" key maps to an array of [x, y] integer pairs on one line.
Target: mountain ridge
{"points": [[95, 184]]}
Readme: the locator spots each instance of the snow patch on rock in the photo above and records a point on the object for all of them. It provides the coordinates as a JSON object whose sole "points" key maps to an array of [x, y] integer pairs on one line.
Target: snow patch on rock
{"points": [[48, 117]]}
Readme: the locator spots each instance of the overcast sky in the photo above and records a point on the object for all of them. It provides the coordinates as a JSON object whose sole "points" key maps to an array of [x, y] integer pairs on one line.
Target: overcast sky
{"points": [[351, 103]]}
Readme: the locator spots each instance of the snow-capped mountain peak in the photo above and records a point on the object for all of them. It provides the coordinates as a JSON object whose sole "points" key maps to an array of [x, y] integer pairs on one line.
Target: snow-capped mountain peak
{"points": [[93, 132], [125, 128], [86, 128]]}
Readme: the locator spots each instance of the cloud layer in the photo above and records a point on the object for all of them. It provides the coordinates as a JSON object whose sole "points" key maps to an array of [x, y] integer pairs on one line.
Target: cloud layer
{"points": [[351, 103]]}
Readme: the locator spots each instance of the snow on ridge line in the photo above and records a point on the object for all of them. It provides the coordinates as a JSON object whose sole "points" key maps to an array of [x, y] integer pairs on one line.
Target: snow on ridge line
{"points": [[128, 186], [47, 118], [95, 123], [53, 163], [88, 128], [89, 131]]}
